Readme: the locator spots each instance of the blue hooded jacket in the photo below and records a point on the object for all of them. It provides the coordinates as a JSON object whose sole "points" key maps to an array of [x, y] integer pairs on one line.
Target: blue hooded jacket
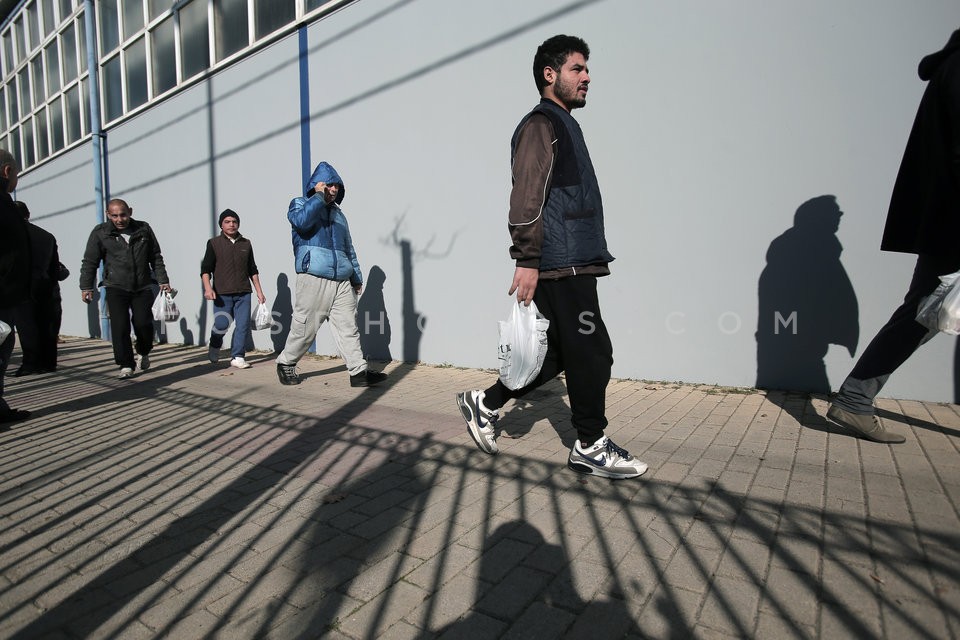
{"points": [[322, 245]]}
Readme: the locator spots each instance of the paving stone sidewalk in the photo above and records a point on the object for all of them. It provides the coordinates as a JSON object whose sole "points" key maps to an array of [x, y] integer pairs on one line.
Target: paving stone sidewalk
{"points": [[200, 501]]}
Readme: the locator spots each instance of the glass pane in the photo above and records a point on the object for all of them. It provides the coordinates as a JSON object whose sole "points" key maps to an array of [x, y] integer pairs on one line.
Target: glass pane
{"points": [[82, 45], [135, 59], [43, 145], [23, 80], [48, 18], [270, 15], [156, 7], [8, 61], [3, 109], [52, 55], [29, 158], [18, 36], [231, 26], [69, 47], [164, 58], [14, 145], [39, 87], [194, 39], [73, 114], [33, 22], [66, 9], [314, 4], [132, 17], [109, 29], [84, 104], [56, 125], [14, 102], [112, 89]]}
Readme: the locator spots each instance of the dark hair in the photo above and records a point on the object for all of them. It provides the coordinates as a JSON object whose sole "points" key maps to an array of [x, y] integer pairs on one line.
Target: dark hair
{"points": [[553, 53], [22, 208]]}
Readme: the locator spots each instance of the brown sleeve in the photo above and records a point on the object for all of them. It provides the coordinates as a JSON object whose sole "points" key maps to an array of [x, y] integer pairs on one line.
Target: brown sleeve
{"points": [[532, 169]]}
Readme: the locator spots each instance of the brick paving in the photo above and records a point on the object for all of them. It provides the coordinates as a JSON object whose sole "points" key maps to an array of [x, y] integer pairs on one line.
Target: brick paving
{"points": [[199, 501]]}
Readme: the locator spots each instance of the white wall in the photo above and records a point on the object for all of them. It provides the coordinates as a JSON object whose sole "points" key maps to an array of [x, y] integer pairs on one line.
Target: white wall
{"points": [[708, 123]]}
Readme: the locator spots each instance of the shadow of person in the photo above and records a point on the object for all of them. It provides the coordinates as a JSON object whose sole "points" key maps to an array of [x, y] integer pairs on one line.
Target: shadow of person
{"points": [[806, 302], [543, 403], [186, 333], [527, 580], [282, 313], [372, 319]]}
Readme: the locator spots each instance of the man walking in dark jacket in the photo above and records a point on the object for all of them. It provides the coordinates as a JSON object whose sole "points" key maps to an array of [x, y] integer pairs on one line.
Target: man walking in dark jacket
{"points": [[924, 218], [556, 223], [131, 255], [15, 262]]}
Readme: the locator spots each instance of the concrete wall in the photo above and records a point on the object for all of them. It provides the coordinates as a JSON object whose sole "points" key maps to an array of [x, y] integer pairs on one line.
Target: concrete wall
{"points": [[709, 125]]}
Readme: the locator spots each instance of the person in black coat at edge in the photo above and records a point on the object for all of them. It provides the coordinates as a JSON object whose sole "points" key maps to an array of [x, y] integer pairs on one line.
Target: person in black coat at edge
{"points": [[924, 219], [39, 326], [15, 263]]}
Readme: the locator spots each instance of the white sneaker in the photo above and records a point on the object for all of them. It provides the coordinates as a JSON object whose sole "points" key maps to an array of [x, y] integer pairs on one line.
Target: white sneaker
{"points": [[239, 363], [480, 420], [213, 355], [143, 362], [603, 458], [126, 372]]}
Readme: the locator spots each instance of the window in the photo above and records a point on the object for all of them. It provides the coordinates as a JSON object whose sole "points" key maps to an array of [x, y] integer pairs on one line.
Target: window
{"points": [[52, 56], [39, 88], [29, 156], [66, 9], [74, 127], [135, 60], [8, 62], [3, 109], [49, 20], [109, 29], [69, 48], [18, 38], [164, 63], [33, 23], [56, 125], [270, 15], [112, 89], [132, 18], [194, 38], [23, 80], [157, 7], [43, 144], [232, 26], [14, 103]]}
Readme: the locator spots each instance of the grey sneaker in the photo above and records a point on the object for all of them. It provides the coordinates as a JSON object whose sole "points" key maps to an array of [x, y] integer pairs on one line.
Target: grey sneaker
{"points": [[603, 458], [126, 372], [480, 420], [863, 425]]}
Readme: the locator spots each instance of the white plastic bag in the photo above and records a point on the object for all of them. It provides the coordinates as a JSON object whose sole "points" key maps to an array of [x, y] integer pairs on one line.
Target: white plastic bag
{"points": [[940, 310], [262, 318], [523, 345], [165, 309], [5, 330]]}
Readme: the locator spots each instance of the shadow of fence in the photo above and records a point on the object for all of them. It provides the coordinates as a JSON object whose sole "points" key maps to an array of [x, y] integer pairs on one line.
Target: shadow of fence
{"points": [[165, 509]]}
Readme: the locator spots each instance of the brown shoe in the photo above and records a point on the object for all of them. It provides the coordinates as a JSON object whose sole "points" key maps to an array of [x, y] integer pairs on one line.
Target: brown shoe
{"points": [[865, 426]]}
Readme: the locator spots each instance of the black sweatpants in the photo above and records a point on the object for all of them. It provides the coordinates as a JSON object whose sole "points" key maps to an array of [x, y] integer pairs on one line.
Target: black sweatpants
{"points": [[577, 343], [121, 304]]}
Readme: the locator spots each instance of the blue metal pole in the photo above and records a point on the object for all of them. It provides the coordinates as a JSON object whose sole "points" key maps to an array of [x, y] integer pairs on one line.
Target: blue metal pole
{"points": [[96, 131]]}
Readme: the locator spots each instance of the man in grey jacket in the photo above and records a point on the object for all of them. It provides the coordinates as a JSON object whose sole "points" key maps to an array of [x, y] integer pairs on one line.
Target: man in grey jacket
{"points": [[131, 256]]}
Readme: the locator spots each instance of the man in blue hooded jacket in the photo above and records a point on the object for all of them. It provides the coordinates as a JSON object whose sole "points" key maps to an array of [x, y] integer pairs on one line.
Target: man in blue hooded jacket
{"points": [[328, 279]]}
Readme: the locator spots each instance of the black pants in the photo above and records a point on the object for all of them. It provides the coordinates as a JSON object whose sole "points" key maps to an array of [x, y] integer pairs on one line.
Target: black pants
{"points": [[896, 341], [577, 343], [38, 328], [121, 304]]}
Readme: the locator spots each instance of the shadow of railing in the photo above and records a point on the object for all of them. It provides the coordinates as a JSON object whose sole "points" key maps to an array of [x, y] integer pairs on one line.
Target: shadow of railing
{"points": [[212, 513]]}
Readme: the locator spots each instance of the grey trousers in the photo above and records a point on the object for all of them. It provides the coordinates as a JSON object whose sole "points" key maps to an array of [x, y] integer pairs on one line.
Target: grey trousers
{"points": [[318, 300]]}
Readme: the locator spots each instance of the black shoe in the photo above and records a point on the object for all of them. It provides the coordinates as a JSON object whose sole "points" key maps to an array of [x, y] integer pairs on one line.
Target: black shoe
{"points": [[13, 415], [367, 378], [26, 371], [287, 373]]}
